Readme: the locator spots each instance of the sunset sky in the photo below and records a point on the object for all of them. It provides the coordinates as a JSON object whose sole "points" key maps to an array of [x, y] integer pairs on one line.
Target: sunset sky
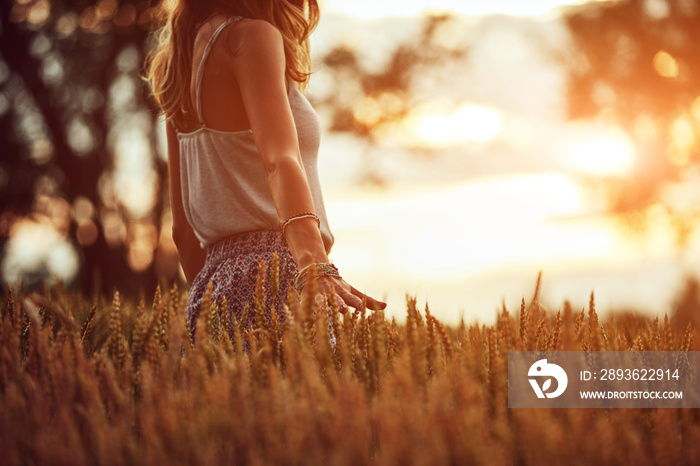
{"points": [[506, 195]]}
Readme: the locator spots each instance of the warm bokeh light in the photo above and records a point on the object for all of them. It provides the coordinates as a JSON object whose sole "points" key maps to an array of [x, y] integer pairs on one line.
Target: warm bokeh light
{"points": [[126, 15], [665, 65], [53, 210], [86, 233], [106, 9], [696, 109], [371, 9], [683, 142], [134, 178], [114, 228], [83, 208], [607, 153], [373, 109], [37, 252], [143, 240], [39, 12]]}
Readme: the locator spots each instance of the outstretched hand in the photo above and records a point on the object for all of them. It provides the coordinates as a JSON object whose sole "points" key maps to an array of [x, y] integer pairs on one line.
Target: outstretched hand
{"points": [[345, 295]]}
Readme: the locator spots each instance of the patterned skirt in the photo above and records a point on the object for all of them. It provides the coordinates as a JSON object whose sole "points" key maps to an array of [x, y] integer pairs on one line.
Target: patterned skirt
{"points": [[232, 267]]}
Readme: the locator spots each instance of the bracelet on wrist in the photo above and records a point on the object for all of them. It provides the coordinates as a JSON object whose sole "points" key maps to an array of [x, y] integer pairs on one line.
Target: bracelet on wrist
{"points": [[284, 224], [323, 269]]}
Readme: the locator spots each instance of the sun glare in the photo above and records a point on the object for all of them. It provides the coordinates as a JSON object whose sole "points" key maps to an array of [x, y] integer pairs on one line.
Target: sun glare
{"points": [[460, 230], [435, 126], [607, 153]]}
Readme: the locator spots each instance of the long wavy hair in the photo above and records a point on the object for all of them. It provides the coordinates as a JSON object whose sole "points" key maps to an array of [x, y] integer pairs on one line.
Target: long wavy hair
{"points": [[169, 64]]}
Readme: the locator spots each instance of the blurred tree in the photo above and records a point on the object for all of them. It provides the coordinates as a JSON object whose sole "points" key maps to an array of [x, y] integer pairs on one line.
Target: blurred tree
{"points": [[74, 119], [365, 102], [636, 63]]}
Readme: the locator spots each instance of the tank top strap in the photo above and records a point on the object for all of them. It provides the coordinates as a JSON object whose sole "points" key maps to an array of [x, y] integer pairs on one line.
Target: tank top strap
{"points": [[200, 71]]}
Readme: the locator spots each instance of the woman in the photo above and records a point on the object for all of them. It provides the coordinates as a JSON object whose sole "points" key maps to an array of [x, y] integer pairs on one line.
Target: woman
{"points": [[242, 148]]}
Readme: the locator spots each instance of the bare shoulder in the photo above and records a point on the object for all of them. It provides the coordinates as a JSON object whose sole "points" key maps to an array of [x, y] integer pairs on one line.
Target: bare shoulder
{"points": [[254, 36], [259, 29]]}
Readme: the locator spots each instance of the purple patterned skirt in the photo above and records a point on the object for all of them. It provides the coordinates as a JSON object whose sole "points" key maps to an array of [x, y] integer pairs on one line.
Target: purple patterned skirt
{"points": [[232, 267]]}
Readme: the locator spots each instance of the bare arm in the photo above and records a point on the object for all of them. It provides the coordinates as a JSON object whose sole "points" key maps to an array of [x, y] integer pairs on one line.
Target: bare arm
{"points": [[259, 68], [188, 249]]}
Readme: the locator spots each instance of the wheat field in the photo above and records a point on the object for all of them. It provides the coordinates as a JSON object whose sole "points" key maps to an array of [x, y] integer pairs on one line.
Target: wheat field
{"points": [[96, 381]]}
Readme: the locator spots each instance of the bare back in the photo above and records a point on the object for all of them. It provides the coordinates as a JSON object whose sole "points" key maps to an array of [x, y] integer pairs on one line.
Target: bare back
{"points": [[222, 105]]}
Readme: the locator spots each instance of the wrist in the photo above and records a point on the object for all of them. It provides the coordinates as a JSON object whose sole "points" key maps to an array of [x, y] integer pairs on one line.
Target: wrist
{"points": [[314, 271], [305, 242], [308, 258]]}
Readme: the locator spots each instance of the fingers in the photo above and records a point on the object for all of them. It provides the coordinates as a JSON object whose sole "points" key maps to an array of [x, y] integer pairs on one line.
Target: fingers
{"points": [[354, 298], [373, 304], [330, 298], [346, 295], [350, 299], [340, 302]]}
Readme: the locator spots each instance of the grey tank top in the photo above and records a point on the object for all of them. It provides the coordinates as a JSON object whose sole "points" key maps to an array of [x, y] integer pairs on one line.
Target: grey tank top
{"points": [[225, 188]]}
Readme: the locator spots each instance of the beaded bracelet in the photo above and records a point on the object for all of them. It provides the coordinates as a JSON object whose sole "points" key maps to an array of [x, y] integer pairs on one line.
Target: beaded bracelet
{"points": [[322, 269], [298, 217]]}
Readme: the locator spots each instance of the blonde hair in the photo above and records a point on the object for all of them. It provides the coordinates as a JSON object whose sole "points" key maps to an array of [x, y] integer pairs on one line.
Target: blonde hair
{"points": [[169, 64]]}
